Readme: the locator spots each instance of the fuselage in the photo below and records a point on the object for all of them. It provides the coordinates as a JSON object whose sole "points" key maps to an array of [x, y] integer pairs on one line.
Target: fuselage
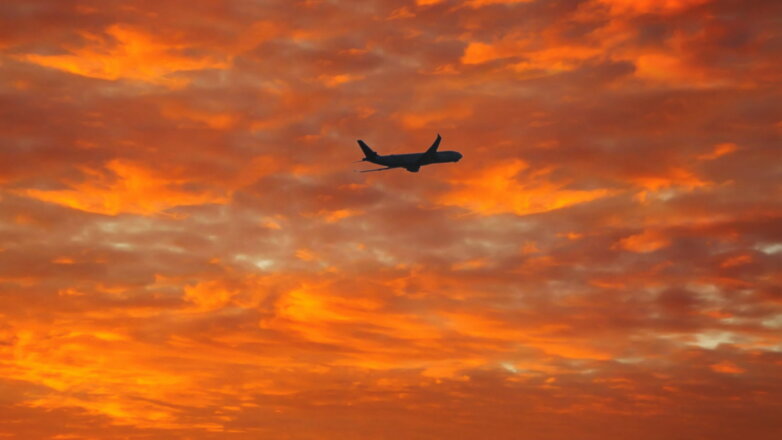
{"points": [[414, 159], [411, 162]]}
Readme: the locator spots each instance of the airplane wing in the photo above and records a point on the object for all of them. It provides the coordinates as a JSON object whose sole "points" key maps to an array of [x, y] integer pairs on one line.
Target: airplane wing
{"points": [[432, 151], [376, 169]]}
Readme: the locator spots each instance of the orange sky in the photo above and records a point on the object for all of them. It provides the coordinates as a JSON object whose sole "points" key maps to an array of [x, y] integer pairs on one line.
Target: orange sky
{"points": [[186, 252]]}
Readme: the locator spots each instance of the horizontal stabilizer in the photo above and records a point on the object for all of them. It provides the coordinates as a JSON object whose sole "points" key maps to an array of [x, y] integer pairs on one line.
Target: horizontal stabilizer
{"points": [[376, 169]]}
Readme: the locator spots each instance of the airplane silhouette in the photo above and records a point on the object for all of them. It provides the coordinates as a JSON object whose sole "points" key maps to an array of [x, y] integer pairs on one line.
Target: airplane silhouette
{"points": [[411, 162]]}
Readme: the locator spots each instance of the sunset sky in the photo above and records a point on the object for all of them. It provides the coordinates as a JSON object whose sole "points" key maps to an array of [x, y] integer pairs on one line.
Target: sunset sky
{"points": [[186, 251]]}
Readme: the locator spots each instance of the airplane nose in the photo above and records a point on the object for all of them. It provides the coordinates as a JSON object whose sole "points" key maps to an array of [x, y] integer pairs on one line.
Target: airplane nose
{"points": [[459, 157]]}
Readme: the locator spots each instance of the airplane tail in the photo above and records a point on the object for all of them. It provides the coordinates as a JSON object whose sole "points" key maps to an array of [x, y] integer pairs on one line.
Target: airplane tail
{"points": [[368, 153]]}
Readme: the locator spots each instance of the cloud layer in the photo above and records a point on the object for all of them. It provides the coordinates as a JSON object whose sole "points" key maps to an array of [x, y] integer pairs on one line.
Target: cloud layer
{"points": [[185, 251]]}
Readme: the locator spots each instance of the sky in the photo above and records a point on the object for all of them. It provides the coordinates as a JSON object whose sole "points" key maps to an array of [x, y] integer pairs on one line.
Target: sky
{"points": [[186, 251]]}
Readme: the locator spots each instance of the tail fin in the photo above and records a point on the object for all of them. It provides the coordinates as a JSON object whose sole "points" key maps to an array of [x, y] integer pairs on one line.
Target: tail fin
{"points": [[368, 153]]}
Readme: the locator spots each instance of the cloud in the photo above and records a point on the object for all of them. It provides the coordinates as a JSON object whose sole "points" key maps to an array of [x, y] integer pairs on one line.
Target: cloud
{"points": [[647, 241], [134, 56], [130, 189], [497, 190], [185, 250]]}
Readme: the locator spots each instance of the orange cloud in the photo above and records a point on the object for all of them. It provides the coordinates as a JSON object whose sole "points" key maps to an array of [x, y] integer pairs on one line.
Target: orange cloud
{"points": [[134, 56], [215, 120], [647, 241], [727, 368], [479, 3], [536, 61], [209, 295], [306, 255], [649, 6], [675, 177], [339, 79], [338, 214], [719, 151], [501, 189], [129, 188], [416, 120]]}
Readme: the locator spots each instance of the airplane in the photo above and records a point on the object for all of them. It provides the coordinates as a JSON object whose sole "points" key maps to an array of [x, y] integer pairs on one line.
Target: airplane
{"points": [[411, 162]]}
